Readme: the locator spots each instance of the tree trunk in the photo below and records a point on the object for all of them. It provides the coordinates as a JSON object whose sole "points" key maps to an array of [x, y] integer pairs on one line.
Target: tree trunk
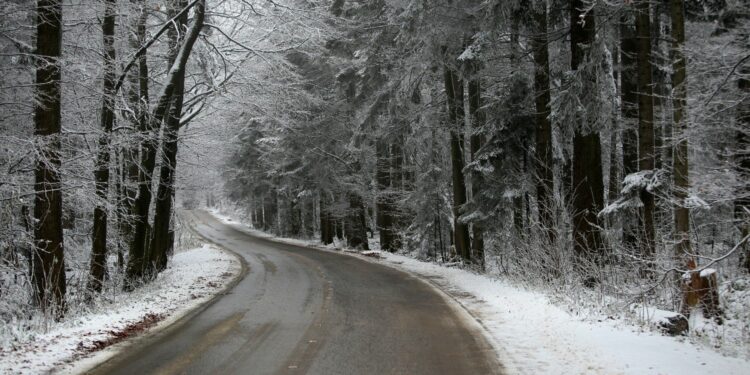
{"points": [[161, 245], [614, 134], [397, 188], [356, 227], [518, 207], [48, 261], [454, 90], [98, 266], [384, 218], [269, 212], [704, 287], [629, 111], [295, 217], [138, 261], [138, 99], [681, 180], [587, 154], [326, 222], [339, 228], [475, 143], [662, 129], [543, 147], [646, 153], [308, 216], [742, 200]]}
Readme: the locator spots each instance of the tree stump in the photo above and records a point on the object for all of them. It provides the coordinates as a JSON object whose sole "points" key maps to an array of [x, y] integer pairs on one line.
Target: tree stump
{"points": [[700, 289]]}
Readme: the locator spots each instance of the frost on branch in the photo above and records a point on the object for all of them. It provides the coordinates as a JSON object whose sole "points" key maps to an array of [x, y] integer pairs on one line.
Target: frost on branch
{"points": [[632, 185]]}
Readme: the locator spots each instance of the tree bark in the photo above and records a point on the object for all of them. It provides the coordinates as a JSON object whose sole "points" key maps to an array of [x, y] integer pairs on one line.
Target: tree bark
{"points": [[454, 90], [98, 264], [646, 152], [588, 182], [48, 261]]}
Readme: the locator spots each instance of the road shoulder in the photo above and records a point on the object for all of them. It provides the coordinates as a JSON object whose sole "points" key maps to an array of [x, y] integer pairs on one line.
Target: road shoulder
{"points": [[194, 279]]}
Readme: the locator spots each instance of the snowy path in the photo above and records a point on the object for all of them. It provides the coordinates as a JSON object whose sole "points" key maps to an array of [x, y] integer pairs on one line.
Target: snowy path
{"points": [[193, 277], [303, 311]]}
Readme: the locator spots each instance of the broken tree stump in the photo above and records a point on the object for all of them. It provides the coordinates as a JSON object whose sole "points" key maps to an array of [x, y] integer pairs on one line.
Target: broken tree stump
{"points": [[701, 289]]}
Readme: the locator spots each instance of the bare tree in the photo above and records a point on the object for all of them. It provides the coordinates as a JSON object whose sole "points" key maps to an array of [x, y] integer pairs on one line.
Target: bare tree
{"points": [[138, 265]]}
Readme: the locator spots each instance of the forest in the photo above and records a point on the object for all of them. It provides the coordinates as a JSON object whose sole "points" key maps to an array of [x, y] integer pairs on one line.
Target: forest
{"points": [[596, 149]]}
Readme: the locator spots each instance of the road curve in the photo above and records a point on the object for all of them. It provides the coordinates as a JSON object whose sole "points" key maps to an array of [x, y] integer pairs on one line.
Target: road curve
{"points": [[305, 311]]}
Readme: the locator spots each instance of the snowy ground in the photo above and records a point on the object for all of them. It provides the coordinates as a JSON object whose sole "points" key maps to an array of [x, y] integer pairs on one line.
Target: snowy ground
{"points": [[534, 336], [193, 277]]}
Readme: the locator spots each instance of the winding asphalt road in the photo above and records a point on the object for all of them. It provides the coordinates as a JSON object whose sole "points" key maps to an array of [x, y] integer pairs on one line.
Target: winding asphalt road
{"points": [[305, 311]]}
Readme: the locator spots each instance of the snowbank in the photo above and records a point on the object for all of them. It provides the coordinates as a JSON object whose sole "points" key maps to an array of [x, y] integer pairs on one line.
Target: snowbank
{"points": [[536, 337], [193, 277]]}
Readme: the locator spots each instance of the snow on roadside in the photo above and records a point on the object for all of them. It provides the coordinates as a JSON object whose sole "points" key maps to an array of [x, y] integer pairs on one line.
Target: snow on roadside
{"points": [[534, 336], [192, 278]]}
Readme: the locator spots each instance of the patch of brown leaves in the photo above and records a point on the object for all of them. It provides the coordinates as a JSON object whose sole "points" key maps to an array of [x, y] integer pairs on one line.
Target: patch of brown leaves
{"points": [[115, 336]]}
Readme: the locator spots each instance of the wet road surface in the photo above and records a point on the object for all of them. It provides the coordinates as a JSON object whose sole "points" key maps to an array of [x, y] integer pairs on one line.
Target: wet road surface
{"points": [[305, 311]]}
